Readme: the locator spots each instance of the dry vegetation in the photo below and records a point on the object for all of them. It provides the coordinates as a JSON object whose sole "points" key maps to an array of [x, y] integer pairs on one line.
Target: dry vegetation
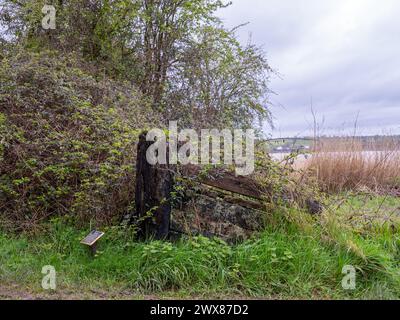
{"points": [[352, 164]]}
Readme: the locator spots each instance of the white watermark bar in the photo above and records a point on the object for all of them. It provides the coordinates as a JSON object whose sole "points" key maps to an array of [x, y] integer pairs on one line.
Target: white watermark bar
{"points": [[204, 148], [349, 280], [49, 278], [49, 20]]}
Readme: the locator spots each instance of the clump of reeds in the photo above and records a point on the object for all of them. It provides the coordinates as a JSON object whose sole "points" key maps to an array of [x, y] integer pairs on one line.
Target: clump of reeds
{"points": [[349, 163]]}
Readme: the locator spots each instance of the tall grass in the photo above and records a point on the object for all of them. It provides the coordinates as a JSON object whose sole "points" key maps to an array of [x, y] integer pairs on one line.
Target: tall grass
{"points": [[284, 261], [351, 163]]}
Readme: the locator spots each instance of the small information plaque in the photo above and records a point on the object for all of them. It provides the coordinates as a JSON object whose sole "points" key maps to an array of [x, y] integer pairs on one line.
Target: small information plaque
{"points": [[92, 238]]}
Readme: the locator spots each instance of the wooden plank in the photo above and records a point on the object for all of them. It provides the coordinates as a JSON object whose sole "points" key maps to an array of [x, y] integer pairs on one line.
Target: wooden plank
{"points": [[223, 194], [246, 203], [226, 181]]}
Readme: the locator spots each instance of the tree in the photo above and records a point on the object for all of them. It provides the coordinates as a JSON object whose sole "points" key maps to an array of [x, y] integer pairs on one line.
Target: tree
{"points": [[221, 81], [176, 51]]}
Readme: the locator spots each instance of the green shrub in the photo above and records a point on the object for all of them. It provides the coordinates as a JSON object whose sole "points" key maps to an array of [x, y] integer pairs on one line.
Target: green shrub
{"points": [[67, 140]]}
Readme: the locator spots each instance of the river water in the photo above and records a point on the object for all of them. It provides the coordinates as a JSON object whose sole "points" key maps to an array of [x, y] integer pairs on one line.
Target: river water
{"points": [[302, 159]]}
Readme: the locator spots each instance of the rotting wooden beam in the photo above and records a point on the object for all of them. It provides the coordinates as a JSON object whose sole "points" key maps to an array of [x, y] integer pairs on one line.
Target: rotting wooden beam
{"points": [[226, 181]]}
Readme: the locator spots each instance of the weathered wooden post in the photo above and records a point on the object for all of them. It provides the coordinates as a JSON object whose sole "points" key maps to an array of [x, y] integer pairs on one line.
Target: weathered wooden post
{"points": [[154, 185], [221, 205]]}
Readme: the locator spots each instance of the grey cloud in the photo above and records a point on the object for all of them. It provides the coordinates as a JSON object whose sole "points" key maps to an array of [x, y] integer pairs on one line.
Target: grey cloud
{"points": [[344, 54]]}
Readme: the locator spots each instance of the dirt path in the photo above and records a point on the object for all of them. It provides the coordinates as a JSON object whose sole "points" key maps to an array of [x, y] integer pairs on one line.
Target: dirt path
{"points": [[16, 292]]}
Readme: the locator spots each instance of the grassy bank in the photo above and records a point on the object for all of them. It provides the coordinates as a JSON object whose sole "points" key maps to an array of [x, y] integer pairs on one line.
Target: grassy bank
{"points": [[295, 257]]}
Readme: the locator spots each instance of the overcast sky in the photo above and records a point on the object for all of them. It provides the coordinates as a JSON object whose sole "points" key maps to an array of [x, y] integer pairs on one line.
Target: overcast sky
{"points": [[342, 54]]}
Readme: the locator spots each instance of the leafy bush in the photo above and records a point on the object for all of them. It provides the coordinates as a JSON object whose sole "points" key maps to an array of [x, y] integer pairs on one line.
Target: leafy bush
{"points": [[67, 140]]}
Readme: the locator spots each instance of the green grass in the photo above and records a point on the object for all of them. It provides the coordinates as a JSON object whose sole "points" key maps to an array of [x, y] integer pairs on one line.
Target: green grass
{"points": [[298, 259]]}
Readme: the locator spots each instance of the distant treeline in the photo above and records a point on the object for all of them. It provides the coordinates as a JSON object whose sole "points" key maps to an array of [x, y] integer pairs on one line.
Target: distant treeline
{"points": [[372, 143], [368, 143]]}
